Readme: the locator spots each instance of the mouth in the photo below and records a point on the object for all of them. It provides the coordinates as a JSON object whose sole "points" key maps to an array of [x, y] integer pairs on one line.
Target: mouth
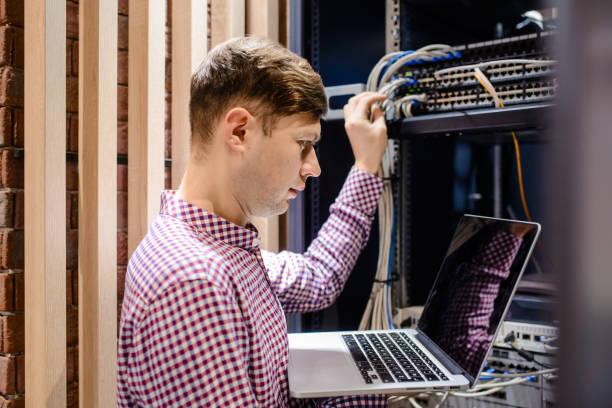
{"points": [[293, 192]]}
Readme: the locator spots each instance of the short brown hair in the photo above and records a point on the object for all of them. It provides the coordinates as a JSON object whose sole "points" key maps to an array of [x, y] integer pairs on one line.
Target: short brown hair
{"points": [[269, 79]]}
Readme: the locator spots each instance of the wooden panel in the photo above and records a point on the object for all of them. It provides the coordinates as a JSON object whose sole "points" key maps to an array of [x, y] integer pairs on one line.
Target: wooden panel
{"points": [[45, 203], [189, 46], [97, 203], [283, 22], [283, 38], [227, 20], [146, 115], [262, 20]]}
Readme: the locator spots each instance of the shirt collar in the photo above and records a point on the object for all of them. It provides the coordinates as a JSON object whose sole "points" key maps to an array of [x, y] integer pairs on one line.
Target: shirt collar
{"points": [[208, 223]]}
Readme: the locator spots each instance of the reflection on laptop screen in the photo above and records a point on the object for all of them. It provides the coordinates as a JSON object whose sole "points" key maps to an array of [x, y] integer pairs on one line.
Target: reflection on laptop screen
{"points": [[473, 287]]}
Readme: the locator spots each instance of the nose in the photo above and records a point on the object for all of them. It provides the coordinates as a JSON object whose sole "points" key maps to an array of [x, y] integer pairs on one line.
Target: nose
{"points": [[310, 165]]}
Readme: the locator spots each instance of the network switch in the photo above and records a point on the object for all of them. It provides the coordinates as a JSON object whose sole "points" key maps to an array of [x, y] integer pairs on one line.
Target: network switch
{"points": [[518, 68]]}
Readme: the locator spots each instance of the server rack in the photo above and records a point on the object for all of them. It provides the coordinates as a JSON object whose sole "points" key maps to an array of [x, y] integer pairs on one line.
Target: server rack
{"points": [[427, 145]]}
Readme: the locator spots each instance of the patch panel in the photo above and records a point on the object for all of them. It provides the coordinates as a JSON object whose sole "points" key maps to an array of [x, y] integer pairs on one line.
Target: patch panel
{"points": [[475, 97], [518, 67]]}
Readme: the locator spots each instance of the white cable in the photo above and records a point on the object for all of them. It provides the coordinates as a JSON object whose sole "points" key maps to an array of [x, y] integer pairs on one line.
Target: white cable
{"points": [[525, 374], [487, 84], [439, 404], [414, 403], [388, 88], [371, 84], [476, 394], [425, 53], [377, 308], [396, 104], [375, 315], [407, 109], [498, 383]]}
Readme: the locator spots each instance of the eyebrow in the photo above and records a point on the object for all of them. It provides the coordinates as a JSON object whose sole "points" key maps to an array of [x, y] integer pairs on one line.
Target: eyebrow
{"points": [[315, 136]]}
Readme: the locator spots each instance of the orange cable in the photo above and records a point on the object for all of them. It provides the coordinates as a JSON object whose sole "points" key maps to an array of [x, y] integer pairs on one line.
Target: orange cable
{"points": [[519, 167]]}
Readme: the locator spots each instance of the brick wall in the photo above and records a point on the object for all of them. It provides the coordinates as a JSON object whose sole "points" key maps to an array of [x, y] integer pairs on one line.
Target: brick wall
{"points": [[11, 205], [12, 369]]}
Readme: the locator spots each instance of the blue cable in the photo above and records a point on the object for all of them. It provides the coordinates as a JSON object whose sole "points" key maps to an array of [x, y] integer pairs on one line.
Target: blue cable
{"points": [[389, 270], [382, 73], [450, 55]]}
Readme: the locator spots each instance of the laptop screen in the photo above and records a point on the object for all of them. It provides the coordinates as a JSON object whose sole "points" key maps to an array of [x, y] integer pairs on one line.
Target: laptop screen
{"points": [[474, 287]]}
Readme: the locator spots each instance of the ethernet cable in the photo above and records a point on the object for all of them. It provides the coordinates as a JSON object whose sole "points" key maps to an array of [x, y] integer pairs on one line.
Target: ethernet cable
{"points": [[378, 309], [377, 314], [390, 87], [486, 84], [375, 73], [479, 390], [427, 53], [405, 102], [524, 374]]}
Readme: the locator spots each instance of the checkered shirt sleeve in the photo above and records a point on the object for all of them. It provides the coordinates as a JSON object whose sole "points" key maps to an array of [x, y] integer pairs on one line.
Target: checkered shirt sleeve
{"points": [[312, 281], [466, 323]]}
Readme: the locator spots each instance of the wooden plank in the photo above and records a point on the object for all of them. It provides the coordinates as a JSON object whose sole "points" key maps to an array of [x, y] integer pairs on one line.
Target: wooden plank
{"points": [[283, 22], [283, 38], [45, 203], [263, 20], [97, 203], [189, 46], [146, 115], [227, 20]]}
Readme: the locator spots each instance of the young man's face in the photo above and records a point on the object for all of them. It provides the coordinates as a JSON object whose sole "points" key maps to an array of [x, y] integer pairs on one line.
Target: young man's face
{"points": [[277, 165]]}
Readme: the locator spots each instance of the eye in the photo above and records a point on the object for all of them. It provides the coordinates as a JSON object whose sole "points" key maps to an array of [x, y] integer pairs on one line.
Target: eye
{"points": [[304, 145]]}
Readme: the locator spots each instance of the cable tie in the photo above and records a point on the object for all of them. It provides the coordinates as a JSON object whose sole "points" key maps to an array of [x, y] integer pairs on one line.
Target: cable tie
{"points": [[394, 277]]}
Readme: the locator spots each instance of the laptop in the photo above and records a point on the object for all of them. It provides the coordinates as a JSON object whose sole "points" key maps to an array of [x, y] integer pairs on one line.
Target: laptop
{"points": [[452, 341]]}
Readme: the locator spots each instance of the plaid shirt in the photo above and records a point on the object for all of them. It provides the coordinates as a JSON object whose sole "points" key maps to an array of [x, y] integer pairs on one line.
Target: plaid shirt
{"points": [[465, 325], [203, 318]]}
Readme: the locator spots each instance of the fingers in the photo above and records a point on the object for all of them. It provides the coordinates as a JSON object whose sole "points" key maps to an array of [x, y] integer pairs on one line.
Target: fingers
{"points": [[376, 113], [364, 105], [361, 104]]}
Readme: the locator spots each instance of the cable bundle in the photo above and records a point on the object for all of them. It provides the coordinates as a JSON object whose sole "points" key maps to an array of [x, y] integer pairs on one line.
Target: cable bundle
{"points": [[378, 310], [498, 383], [382, 77], [378, 314]]}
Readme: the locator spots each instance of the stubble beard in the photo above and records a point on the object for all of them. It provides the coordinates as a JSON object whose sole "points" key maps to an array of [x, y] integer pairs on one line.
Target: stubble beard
{"points": [[258, 201]]}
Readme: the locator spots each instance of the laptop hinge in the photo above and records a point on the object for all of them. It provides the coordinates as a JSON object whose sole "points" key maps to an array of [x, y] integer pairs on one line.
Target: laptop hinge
{"points": [[448, 362]]}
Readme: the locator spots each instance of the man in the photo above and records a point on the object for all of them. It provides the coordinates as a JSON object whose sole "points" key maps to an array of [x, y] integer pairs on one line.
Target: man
{"points": [[203, 318]]}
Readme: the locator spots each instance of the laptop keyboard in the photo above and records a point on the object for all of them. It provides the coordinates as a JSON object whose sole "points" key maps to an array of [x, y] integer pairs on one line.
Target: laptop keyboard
{"points": [[391, 357]]}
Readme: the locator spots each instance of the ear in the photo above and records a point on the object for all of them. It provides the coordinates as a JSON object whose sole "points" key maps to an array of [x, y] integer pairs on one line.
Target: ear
{"points": [[236, 123]]}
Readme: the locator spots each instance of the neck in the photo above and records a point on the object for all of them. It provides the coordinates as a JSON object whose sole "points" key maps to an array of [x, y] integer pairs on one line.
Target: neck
{"points": [[207, 185]]}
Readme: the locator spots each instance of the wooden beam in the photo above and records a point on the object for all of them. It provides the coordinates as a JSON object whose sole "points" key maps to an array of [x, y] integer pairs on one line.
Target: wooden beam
{"points": [[97, 203], [263, 20], [146, 115], [189, 46], [283, 22], [227, 20], [45, 203]]}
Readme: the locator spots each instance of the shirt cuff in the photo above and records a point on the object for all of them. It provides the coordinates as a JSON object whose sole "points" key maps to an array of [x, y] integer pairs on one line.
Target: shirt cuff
{"points": [[361, 190]]}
